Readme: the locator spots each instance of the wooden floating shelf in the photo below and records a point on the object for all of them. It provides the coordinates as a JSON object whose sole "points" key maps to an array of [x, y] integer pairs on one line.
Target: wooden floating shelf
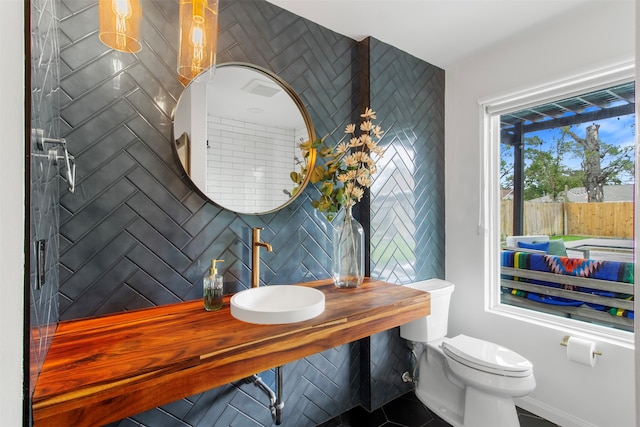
{"points": [[99, 370]]}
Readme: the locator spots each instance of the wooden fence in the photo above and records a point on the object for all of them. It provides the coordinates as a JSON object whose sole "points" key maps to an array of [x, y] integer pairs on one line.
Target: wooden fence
{"points": [[602, 219]]}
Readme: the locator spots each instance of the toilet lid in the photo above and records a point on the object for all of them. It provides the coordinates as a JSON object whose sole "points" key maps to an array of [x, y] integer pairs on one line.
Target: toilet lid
{"points": [[486, 356]]}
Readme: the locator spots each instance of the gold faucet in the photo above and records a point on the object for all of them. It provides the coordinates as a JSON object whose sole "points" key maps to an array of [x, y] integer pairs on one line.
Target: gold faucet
{"points": [[255, 257]]}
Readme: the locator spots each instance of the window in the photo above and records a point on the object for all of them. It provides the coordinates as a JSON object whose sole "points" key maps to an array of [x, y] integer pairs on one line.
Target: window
{"points": [[559, 176]]}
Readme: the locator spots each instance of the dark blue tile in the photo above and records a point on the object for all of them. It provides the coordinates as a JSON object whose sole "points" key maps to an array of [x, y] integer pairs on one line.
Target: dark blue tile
{"points": [[102, 209], [159, 194], [153, 291], [93, 299], [91, 185], [147, 261], [155, 168], [97, 152], [159, 220], [83, 278], [94, 241]]}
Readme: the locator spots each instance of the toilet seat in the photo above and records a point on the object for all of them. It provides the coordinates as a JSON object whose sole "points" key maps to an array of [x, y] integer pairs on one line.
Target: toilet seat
{"points": [[486, 356]]}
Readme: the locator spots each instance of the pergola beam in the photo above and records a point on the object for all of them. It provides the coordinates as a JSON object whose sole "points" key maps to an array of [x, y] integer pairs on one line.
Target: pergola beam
{"points": [[507, 136]]}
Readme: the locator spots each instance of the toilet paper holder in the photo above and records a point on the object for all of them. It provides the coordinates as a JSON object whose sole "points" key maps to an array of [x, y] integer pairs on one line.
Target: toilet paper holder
{"points": [[565, 340]]}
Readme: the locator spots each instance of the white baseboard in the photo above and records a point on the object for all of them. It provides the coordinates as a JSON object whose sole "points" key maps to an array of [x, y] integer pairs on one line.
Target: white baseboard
{"points": [[550, 413]]}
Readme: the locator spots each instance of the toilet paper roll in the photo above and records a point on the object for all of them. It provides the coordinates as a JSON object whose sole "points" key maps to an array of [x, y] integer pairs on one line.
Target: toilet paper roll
{"points": [[581, 351]]}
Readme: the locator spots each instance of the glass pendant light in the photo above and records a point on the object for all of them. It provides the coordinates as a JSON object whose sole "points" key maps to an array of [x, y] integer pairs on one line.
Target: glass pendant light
{"points": [[198, 38], [120, 24]]}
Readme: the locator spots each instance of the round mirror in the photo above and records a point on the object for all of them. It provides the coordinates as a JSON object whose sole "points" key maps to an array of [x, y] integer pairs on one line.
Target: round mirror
{"points": [[238, 138]]}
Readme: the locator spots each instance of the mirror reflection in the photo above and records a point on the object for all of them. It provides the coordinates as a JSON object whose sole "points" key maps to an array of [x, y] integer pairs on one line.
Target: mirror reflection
{"points": [[238, 135]]}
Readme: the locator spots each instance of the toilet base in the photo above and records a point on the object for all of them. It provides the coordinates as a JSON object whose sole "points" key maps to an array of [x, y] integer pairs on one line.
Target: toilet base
{"points": [[455, 403], [435, 390], [440, 407], [482, 409]]}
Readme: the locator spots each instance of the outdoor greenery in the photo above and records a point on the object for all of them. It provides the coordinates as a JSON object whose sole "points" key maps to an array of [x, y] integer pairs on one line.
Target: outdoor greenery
{"points": [[568, 238], [547, 172]]}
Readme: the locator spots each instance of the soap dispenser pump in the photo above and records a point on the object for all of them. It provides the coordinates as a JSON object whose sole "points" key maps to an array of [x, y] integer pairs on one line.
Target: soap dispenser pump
{"points": [[212, 287]]}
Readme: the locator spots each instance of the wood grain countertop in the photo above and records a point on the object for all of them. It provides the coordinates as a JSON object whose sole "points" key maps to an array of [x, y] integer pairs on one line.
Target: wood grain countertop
{"points": [[102, 369]]}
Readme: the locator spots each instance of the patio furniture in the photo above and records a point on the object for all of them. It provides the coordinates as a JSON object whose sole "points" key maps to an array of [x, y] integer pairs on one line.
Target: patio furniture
{"points": [[584, 289]]}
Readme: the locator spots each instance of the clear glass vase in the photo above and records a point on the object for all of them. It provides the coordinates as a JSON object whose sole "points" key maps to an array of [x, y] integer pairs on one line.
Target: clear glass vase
{"points": [[347, 266]]}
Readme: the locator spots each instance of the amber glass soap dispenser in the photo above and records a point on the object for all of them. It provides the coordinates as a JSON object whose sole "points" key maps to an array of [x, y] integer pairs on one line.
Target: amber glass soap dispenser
{"points": [[212, 288]]}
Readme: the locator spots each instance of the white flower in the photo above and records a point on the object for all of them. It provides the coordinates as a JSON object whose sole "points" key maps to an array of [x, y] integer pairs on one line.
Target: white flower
{"points": [[341, 148], [355, 142], [357, 193], [368, 114], [366, 139], [366, 126], [362, 172], [343, 177], [351, 161], [375, 148], [348, 176], [361, 156], [365, 181]]}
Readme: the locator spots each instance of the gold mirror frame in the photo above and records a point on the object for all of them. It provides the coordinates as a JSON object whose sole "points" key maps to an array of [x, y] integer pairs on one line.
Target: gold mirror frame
{"points": [[185, 145]]}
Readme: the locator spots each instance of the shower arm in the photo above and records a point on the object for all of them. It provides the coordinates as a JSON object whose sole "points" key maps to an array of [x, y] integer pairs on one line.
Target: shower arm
{"points": [[69, 160]]}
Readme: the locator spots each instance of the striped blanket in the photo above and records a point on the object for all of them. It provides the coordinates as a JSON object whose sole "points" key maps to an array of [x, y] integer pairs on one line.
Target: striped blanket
{"points": [[595, 269]]}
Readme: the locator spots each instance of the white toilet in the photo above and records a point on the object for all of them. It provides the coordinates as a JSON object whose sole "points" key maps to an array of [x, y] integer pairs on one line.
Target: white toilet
{"points": [[465, 381]]}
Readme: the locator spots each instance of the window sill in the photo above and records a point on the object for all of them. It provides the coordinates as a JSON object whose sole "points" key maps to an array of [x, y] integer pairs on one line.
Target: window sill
{"points": [[622, 339]]}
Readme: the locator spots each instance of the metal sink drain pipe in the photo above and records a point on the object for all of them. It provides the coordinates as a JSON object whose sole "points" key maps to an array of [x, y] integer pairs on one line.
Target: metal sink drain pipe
{"points": [[275, 402]]}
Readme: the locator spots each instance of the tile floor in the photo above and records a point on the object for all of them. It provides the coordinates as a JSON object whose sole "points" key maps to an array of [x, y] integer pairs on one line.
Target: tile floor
{"points": [[408, 411]]}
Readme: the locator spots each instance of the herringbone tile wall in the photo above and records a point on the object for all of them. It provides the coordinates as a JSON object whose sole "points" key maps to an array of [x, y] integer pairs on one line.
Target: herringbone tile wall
{"points": [[136, 234], [407, 201], [407, 198]]}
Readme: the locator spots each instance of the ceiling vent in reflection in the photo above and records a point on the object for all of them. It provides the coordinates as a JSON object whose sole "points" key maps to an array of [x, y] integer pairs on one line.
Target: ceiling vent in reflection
{"points": [[261, 88]]}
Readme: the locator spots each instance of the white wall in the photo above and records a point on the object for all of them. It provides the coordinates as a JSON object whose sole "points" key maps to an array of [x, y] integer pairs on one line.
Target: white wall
{"points": [[248, 164], [592, 36], [11, 210]]}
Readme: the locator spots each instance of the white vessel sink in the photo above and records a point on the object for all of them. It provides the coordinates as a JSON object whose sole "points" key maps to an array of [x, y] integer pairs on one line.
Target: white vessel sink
{"points": [[275, 304]]}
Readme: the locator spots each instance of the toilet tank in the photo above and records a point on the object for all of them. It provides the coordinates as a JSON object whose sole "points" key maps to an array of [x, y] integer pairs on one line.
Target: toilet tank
{"points": [[434, 326]]}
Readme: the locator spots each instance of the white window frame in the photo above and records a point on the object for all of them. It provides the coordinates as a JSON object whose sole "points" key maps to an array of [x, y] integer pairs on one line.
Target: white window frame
{"points": [[490, 111]]}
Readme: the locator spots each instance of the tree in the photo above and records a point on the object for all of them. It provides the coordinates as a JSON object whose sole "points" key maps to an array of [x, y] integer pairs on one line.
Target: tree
{"points": [[601, 163], [545, 173], [506, 167]]}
